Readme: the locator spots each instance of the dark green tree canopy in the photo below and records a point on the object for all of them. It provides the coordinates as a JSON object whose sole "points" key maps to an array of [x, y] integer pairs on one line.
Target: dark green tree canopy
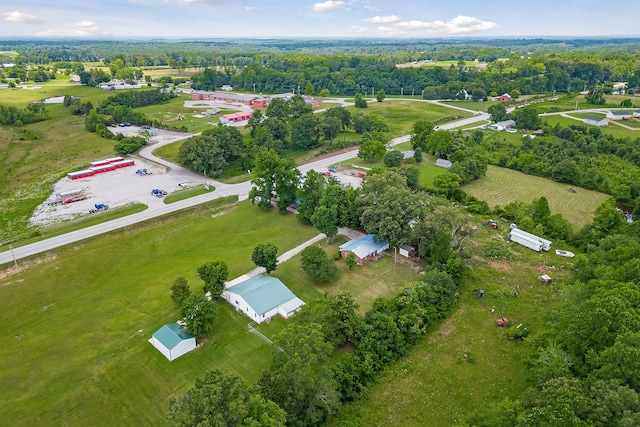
{"points": [[265, 255]]}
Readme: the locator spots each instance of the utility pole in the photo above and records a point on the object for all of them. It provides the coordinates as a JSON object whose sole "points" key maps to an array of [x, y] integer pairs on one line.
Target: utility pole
{"points": [[401, 91], [13, 256]]}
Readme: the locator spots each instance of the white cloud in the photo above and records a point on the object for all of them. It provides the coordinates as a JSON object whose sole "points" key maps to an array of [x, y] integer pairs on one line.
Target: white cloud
{"points": [[358, 29], [21, 17], [458, 25], [391, 31], [327, 5], [81, 28], [371, 8], [200, 1], [387, 19]]}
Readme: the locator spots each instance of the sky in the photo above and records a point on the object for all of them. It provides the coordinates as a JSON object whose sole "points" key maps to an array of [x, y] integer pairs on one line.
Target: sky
{"points": [[317, 18]]}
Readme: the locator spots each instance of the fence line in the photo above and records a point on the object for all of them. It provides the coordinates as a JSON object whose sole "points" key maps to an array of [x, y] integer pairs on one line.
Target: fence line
{"points": [[258, 333]]}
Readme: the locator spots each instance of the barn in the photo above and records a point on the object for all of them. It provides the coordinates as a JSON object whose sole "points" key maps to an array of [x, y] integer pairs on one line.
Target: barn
{"points": [[365, 248], [595, 121], [173, 341], [262, 297]]}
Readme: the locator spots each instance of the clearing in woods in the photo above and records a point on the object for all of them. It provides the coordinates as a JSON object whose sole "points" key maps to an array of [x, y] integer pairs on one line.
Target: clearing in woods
{"points": [[502, 186]]}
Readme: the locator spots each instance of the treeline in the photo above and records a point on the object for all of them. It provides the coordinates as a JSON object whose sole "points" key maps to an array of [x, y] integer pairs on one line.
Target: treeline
{"points": [[32, 113], [586, 370]]}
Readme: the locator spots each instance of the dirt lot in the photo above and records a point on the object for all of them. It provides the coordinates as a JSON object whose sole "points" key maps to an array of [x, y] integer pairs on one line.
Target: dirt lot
{"points": [[116, 188]]}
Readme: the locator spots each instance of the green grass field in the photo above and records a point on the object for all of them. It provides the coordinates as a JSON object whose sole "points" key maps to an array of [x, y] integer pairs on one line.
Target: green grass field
{"points": [[77, 351], [502, 186], [467, 362], [401, 114], [616, 131], [78, 321]]}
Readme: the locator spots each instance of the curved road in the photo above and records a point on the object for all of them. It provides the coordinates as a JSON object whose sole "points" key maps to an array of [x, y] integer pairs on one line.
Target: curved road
{"points": [[222, 190]]}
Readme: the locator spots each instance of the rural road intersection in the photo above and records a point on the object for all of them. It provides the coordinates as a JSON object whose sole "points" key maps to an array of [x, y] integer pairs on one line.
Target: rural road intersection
{"points": [[222, 190]]}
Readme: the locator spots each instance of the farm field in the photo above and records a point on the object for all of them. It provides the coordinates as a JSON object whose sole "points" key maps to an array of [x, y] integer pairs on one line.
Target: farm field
{"points": [[502, 186], [613, 130], [80, 318], [401, 114]]}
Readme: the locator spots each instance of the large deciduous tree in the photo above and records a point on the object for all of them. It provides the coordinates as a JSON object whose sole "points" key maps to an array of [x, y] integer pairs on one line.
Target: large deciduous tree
{"points": [[274, 177], [224, 400], [421, 129], [180, 291], [318, 265], [498, 112], [309, 195], [214, 274], [372, 146], [265, 255], [198, 314], [387, 208]]}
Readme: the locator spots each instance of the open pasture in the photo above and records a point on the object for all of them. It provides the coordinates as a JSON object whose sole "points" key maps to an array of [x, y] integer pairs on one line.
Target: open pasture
{"points": [[502, 186]]}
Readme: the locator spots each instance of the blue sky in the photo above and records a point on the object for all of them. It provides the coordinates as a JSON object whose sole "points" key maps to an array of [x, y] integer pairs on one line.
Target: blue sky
{"points": [[320, 18]]}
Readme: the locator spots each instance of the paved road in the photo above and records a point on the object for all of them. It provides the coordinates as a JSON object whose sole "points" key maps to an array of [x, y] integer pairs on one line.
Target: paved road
{"points": [[222, 190]]}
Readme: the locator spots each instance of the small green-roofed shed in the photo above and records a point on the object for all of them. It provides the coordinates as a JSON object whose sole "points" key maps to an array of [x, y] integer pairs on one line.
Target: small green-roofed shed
{"points": [[173, 341]]}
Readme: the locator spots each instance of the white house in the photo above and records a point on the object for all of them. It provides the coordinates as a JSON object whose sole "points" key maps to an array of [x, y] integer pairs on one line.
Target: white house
{"points": [[262, 297], [500, 126], [529, 240], [364, 248], [173, 341], [618, 115], [443, 163], [595, 121], [636, 113]]}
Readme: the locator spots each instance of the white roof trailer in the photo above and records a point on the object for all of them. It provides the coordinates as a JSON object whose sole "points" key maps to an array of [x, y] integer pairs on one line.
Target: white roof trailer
{"points": [[529, 240]]}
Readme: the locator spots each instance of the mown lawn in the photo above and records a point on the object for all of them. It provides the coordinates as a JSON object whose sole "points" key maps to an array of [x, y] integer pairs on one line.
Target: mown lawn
{"points": [[401, 114], [76, 323], [501, 186], [375, 279]]}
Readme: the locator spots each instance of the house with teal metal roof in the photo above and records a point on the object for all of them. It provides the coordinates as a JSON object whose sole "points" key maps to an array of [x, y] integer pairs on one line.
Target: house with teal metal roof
{"points": [[173, 341], [365, 248], [262, 297]]}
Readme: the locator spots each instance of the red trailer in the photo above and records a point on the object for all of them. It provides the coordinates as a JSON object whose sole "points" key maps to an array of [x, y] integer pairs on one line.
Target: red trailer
{"points": [[98, 163], [123, 164], [114, 159], [104, 168], [80, 174]]}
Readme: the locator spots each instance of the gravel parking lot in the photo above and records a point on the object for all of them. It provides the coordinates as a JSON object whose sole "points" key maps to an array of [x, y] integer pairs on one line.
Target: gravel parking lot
{"points": [[116, 188]]}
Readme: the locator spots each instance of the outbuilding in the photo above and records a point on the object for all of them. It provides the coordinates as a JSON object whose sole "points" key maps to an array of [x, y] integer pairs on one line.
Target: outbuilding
{"points": [[443, 163], [619, 115], [173, 341], [365, 248], [529, 240], [407, 251], [262, 297], [595, 121]]}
